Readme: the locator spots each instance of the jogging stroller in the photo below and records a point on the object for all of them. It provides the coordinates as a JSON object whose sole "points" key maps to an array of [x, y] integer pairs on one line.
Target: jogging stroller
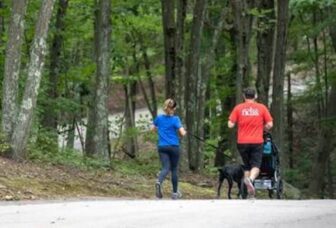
{"points": [[270, 176]]}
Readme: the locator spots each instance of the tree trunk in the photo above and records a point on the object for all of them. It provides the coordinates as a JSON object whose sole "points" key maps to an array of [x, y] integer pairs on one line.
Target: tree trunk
{"points": [[242, 27], [331, 189], [290, 122], [179, 65], [265, 37], [130, 142], [50, 113], [319, 101], [99, 111], [327, 137], [151, 99], [191, 82], [207, 66], [332, 31], [131, 92], [277, 107], [12, 67], [325, 146], [169, 31], [23, 124], [71, 134]]}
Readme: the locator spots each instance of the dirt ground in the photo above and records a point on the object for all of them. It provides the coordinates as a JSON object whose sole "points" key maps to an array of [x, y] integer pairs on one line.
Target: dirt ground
{"points": [[34, 181]]}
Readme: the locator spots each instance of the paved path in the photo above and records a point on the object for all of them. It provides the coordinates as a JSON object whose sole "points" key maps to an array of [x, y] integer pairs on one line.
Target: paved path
{"points": [[168, 213]]}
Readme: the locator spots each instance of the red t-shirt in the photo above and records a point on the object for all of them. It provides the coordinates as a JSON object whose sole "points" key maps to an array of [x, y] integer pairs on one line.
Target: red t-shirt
{"points": [[250, 118]]}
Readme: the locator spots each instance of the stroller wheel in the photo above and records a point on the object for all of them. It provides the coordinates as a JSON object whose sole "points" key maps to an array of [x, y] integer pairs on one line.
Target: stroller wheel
{"points": [[279, 189]]}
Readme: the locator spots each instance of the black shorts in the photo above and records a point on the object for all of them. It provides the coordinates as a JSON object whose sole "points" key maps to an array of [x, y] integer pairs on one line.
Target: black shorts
{"points": [[251, 155]]}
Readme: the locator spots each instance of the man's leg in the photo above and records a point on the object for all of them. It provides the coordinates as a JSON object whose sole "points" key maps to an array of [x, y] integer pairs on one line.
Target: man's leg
{"points": [[255, 160], [254, 173], [246, 157]]}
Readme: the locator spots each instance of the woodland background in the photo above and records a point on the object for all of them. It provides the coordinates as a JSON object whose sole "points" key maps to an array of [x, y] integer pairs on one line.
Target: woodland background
{"points": [[65, 64]]}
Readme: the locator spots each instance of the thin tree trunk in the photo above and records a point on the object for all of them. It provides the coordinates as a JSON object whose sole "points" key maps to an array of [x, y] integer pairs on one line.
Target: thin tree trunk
{"points": [[325, 60], [91, 119], [265, 38], [290, 122], [71, 134], [130, 137], [151, 99], [180, 73], [229, 102], [103, 57], [327, 137], [179, 65], [207, 66], [151, 84], [50, 114], [277, 107], [169, 31], [12, 67], [325, 146], [320, 106], [331, 190], [191, 80], [242, 27], [23, 125]]}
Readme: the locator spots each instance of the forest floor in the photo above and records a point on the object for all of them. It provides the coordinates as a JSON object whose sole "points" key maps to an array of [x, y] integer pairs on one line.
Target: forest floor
{"points": [[32, 180]]}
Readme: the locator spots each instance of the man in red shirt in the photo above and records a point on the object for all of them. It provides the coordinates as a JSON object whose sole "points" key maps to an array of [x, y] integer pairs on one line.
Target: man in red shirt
{"points": [[250, 117]]}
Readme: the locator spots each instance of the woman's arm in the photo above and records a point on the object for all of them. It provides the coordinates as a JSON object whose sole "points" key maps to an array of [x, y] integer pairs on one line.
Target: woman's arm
{"points": [[182, 131], [153, 128]]}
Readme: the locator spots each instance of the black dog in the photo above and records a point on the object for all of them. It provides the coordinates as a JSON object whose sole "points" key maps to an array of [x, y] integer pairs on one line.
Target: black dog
{"points": [[234, 172]]}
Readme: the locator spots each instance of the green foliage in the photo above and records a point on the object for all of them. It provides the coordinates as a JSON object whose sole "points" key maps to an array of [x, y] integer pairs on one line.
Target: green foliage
{"points": [[209, 154], [309, 4], [45, 149], [298, 176], [264, 20], [137, 26], [143, 166]]}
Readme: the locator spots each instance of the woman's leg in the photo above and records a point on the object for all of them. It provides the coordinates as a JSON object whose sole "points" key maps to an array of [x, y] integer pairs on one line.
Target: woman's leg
{"points": [[165, 162], [174, 160]]}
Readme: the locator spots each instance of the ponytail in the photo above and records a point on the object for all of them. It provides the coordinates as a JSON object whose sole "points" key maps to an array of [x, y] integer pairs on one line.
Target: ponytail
{"points": [[169, 106]]}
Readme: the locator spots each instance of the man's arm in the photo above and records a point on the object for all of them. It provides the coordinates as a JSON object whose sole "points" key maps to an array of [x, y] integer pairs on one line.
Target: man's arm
{"points": [[269, 125], [233, 118], [231, 124], [268, 119]]}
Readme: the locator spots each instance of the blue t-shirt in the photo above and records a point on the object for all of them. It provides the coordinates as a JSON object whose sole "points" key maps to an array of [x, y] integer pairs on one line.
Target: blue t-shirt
{"points": [[167, 127]]}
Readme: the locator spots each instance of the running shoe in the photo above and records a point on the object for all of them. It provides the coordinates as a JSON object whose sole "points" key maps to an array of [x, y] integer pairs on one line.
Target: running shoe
{"points": [[176, 195], [250, 187], [158, 190]]}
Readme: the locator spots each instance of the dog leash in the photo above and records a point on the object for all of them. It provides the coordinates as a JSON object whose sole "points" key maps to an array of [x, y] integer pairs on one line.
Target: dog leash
{"points": [[203, 140], [209, 144]]}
